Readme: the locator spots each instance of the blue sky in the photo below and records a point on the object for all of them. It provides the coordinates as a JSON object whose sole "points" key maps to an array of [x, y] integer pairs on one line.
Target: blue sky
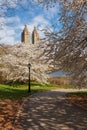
{"points": [[32, 15]]}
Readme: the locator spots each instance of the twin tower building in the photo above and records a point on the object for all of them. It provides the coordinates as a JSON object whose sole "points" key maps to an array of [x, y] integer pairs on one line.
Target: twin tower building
{"points": [[25, 36]]}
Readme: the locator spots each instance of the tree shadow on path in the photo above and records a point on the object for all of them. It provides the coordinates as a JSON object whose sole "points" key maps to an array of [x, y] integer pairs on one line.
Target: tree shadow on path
{"points": [[50, 111]]}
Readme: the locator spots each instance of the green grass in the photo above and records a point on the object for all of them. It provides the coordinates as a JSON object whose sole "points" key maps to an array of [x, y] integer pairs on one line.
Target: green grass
{"points": [[81, 93], [18, 91], [10, 92], [65, 86]]}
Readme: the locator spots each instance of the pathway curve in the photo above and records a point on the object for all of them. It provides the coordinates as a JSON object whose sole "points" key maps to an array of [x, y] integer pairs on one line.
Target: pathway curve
{"points": [[50, 111]]}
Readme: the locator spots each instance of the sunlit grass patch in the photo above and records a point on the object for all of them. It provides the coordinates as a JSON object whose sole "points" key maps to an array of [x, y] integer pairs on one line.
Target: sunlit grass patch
{"points": [[17, 91], [80, 93], [11, 92]]}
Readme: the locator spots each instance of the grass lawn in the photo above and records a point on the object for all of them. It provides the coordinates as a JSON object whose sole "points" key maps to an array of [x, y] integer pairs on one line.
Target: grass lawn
{"points": [[79, 94], [18, 91]]}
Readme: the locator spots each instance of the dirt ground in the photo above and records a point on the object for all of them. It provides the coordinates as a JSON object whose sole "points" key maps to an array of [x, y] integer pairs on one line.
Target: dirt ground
{"points": [[80, 101], [8, 111]]}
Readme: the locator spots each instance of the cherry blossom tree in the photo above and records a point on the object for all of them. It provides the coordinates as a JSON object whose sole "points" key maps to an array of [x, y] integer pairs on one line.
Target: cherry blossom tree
{"points": [[14, 62], [71, 39]]}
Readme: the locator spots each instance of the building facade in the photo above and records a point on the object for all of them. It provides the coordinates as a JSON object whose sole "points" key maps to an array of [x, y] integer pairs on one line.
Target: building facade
{"points": [[35, 36], [25, 36]]}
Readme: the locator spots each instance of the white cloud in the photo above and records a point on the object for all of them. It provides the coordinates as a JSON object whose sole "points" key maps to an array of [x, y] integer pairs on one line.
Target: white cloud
{"points": [[8, 33], [38, 21], [7, 40], [15, 19]]}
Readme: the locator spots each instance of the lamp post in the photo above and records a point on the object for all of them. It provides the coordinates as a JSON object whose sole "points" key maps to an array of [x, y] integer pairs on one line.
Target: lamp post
{"points": [[29, 90]]}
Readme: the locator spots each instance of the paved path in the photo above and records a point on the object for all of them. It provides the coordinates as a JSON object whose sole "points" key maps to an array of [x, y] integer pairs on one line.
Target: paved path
{"points": [[50, 111]]}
